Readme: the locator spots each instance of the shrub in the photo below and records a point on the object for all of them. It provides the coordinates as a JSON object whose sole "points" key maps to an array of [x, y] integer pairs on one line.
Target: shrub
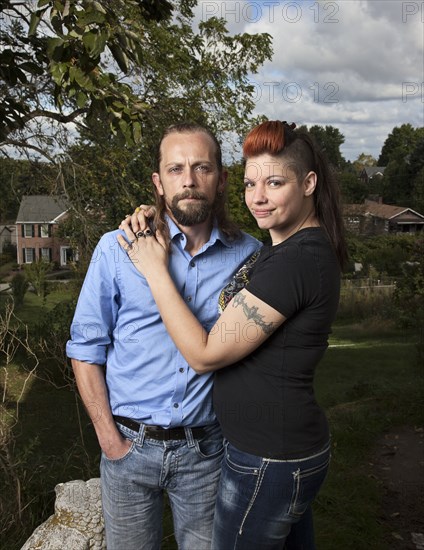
{"points": [[19, 285], [36, 273]]}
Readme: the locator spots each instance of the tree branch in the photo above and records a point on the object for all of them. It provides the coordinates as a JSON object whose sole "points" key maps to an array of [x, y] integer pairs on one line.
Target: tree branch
{"points": [[25, 145], [54, 116]]}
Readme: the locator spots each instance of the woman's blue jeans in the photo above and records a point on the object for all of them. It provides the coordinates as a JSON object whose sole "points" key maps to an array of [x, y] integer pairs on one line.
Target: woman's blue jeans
{"points": [[260, 499]]}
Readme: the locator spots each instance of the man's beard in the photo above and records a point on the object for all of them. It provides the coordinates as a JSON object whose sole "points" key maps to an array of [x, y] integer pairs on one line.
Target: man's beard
{"points": [[192, 214]]}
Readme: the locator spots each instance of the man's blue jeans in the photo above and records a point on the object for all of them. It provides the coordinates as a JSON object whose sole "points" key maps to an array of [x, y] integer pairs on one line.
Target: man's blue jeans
{"points": [[259, 499], [133, 487]]}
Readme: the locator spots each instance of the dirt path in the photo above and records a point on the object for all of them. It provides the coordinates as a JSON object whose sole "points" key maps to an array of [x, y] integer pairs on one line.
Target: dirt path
{"points": [[398, 463]]}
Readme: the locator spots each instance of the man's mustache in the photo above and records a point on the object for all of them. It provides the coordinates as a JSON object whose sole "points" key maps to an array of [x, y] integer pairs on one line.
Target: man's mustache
{"points": [[191, 195]]}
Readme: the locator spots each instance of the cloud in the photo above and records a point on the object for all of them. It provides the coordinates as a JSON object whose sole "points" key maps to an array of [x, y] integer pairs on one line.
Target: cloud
{"points": [[355, 64]]}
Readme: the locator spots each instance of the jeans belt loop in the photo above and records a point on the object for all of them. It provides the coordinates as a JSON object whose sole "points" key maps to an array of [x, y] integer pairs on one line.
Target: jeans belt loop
{"points": [[189, 437]]}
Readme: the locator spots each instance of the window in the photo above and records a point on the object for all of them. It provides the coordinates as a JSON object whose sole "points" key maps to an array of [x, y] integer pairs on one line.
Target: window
{"points": [[44, 230], [29, 255], [27, 230], [67, 255], [46, 254]]}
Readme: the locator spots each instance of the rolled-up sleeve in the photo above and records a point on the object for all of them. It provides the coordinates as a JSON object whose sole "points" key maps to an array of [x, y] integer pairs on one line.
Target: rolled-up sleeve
{"points": [[96, 311]]}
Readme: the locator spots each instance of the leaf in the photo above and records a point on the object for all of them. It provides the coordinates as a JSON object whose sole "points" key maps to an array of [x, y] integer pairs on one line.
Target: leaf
{"points": [[86, 18], [31, 67], [81, 99], [53, 44], [34, 22], [120, 57], [83, 80], [136, 131], [94, 42], [21, 76]]}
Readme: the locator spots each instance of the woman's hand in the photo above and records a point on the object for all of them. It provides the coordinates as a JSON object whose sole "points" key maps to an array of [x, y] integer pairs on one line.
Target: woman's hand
{"points": [[132, 220], [146, 249]]}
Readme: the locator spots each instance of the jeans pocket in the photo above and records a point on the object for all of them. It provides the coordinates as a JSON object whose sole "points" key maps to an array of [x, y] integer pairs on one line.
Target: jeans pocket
{"points": [[306, 484], [241, 462], [211, 445], [122, 458]]}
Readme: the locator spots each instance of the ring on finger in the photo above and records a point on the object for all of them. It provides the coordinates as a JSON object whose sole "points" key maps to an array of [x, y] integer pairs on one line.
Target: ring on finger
{"points": [[140, 234], [148, 233]]}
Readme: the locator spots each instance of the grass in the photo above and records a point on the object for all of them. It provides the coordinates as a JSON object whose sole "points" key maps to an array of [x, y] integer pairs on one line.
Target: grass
{"points": [[368, 383]]}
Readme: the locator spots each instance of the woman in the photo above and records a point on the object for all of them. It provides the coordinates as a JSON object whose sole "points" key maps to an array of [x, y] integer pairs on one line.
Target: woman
{"points": [[271, 336]]}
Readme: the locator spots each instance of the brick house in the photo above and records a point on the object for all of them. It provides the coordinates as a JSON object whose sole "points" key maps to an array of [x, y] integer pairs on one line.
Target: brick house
{"points": [[37, 227], [376, 218]]}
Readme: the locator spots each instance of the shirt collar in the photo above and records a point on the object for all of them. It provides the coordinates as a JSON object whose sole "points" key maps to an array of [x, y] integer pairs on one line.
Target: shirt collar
{"points": [[216, 233]]}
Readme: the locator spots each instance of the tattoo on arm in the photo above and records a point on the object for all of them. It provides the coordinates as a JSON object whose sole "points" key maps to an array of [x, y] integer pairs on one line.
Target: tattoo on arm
{"points": [[252, 313]]}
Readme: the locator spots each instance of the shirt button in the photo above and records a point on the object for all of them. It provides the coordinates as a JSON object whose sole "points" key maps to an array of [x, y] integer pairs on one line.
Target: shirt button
{"points": [[188, 298], [175, 405], [181, 369], [192, 264]]}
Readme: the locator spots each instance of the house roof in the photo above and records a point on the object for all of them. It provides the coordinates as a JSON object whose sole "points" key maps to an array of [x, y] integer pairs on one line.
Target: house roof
{"points": [[41, 208], [7, 227], [372, 171], [383, 211]]}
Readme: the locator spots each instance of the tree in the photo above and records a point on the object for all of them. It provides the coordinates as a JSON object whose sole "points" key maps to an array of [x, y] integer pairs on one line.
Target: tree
{"points": [[409, 296], [91, 85], [330, 139], [36, 275], [363, 161], [404, 151], [353, 189], [136, 65], [401, 140], [239, 213], [22, 177]]}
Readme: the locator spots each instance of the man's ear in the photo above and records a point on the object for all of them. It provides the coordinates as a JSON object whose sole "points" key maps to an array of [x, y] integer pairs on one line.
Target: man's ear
{"points": [[310, 183], [157, 183]]}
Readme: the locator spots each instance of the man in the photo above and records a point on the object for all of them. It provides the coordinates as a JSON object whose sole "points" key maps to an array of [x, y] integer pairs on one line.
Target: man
{"points": [[152, 414]]}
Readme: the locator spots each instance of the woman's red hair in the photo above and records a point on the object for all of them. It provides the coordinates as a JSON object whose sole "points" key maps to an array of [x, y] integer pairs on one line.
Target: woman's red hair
{"points": [[269, 137]]}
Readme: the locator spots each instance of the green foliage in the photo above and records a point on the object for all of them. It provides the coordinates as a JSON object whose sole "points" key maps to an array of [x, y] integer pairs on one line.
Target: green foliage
{"points": [[364, 300], [362, 161], [353, 190], [409, 295], [330, 139], [385, 253], [239, 211], [19, 285], [403, 154], [135, 65], [402, 138], [22, 177], [36, 275], [9, 249]]}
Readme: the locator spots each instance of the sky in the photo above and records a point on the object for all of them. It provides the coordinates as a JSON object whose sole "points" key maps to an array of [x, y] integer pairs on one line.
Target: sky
{"points": [[357, 65]]}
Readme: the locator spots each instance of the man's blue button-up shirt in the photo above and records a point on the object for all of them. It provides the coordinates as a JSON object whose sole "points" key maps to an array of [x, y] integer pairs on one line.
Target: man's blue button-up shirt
{"points": [[117, 324]]}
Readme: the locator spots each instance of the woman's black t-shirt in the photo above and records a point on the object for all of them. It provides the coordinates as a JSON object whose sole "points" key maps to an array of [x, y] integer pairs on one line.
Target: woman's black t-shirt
{"points": [[265, 403]]}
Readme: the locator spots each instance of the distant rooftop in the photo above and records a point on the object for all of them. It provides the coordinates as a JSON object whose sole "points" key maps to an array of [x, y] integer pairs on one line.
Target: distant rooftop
{"points": [[41, 208]]}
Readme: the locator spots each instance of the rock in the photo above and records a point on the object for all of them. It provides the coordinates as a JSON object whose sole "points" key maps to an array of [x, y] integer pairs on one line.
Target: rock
{"points": [[77, 523]]}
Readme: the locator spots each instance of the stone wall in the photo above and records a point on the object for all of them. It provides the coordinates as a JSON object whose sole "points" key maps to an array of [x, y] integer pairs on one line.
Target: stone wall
{"points": [[77, 523]]}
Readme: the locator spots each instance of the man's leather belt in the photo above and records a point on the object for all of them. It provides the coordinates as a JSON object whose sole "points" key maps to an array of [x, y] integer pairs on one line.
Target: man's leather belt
{"points": [[157, 432]]}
